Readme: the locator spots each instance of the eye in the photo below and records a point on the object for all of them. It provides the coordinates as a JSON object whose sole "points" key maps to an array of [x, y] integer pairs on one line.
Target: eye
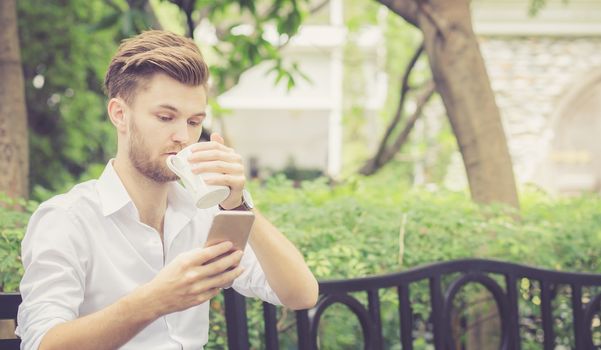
{"points": [[164, 118], [193, 122]]}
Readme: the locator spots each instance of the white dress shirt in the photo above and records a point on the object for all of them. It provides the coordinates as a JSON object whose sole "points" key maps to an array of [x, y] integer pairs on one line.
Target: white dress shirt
{"points": [[85, 249]]}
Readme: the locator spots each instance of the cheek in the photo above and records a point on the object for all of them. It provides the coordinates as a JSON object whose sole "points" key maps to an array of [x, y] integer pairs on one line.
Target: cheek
{"points": [[194, 135]]}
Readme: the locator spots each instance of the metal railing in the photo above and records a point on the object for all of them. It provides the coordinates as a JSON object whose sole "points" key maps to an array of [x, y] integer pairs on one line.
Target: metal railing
{"points": [[441, 303]]}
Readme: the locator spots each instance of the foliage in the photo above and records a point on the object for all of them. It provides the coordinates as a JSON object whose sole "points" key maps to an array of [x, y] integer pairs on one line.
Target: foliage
{"points": [[14, 214], [63, 64], [66, 48], [362, 218], [535, 6], [296, 174], [243, 30]]}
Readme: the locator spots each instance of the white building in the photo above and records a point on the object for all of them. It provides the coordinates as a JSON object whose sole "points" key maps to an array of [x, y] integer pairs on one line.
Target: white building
{"points": [[272, 127]]}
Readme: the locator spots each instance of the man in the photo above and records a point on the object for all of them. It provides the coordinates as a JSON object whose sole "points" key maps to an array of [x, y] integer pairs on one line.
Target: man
{"points": [[120, 261]]}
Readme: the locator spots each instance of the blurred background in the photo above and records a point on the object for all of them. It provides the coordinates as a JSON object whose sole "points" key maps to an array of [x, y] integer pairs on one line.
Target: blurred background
{"points": [[379, 135], [323, 80]]}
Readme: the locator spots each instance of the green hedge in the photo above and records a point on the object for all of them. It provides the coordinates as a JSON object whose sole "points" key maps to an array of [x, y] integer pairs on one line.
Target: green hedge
{"points": [[375, 225], [14, 215]]}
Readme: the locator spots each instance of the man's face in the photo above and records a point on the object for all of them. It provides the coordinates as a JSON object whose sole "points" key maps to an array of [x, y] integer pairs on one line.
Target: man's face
{"points": [[164, 117]]}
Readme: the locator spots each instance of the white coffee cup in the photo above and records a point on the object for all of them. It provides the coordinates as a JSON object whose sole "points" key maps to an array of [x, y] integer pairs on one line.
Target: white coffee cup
{"points": [[205, 196]]}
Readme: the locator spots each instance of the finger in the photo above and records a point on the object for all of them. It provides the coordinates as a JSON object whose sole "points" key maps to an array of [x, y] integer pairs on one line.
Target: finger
{"points": [[231, 180], [214, 154], [218, 166], [206, 295], [220, 265], [228, 282], [197, 257], [219, 280], [210, 145], [227, 285], [217, 138]]}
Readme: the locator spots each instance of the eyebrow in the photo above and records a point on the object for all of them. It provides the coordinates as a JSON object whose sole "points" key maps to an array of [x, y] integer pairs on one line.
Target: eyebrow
{"points": [[171, 108]]}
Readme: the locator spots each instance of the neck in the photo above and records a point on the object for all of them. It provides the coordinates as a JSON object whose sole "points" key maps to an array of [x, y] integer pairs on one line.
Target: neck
{"points": [[149, 197]]}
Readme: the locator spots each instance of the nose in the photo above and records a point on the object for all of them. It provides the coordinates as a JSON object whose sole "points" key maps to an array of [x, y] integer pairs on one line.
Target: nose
{"points": [[180, 134]]}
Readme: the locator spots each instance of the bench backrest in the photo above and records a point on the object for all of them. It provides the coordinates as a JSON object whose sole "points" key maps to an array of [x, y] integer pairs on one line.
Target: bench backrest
{"points": [[441, 297], [9, 304]]}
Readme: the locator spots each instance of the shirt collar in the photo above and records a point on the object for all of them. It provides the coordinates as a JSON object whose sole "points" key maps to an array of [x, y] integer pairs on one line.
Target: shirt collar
{"points": [[114, 196], [112, 193]]}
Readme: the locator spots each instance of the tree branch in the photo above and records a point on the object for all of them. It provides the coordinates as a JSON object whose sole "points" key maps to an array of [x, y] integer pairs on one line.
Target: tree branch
{"points": [[318, 6], [405, 88], [375, 162], [188, 7], [407, 9], [438, 22], [404, 135]]}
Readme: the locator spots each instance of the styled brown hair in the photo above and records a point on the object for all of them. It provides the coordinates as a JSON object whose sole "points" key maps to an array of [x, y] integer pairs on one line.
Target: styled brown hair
{"points": [[154, 51]]}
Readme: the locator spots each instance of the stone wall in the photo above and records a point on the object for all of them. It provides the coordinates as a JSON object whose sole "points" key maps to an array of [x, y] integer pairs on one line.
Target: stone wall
{"points": [[530, 76]]}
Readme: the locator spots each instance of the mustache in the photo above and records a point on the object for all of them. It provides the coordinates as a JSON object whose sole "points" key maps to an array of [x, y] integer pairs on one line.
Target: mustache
{"points": [[175, 150]]}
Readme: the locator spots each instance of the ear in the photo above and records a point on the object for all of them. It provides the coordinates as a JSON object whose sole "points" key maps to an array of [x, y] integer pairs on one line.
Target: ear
{"points": [[117, 113]]}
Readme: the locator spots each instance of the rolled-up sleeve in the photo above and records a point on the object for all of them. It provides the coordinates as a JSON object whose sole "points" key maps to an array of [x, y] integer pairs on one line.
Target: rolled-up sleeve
{"points": [[54, 257], [253, 282]]}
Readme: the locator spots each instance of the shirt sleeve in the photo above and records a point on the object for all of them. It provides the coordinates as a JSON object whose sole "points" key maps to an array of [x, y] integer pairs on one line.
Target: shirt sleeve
{"points": [[253, 282], [52, 288]]}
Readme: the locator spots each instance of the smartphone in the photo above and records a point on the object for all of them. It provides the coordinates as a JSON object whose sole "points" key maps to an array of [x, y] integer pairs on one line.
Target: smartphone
{"points": [[233, 226]]}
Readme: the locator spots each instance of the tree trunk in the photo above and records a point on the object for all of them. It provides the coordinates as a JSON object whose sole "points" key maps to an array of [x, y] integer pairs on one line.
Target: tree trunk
{"points": [[463, 84], [14, 164]]}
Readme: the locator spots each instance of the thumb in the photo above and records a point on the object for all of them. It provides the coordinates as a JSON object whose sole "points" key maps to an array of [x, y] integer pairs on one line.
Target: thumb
{"points": [[217, 138]]}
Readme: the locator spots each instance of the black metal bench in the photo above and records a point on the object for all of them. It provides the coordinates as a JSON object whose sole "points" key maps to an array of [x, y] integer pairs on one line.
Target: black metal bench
{"points": [[9, 304], [441, 299]]}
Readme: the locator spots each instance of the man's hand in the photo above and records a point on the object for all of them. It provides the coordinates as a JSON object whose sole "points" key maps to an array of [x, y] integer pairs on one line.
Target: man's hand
{"points": [[190, 279], [214, 157]]}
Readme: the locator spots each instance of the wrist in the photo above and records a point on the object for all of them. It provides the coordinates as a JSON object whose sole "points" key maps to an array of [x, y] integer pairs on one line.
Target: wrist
{"points": [[245, 203], [142, 302], [230, 206]]}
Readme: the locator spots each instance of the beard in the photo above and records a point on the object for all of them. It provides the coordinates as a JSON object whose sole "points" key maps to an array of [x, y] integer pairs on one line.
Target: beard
{"points": [[155, 170]]}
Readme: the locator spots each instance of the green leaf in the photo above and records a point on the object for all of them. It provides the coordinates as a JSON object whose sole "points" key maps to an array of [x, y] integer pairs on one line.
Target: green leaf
{"points": [[106, 22]]}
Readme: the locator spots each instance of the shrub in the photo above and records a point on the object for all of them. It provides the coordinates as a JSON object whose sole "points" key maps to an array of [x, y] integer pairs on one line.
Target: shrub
{"points": [[371, 226], [14, 214]]}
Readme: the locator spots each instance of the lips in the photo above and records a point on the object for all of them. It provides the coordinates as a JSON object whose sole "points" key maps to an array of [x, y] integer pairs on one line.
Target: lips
{"points": [[172, 152]]}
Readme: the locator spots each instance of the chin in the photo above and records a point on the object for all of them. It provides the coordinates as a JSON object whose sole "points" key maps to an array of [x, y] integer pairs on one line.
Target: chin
{"points": [[159, 174]]}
